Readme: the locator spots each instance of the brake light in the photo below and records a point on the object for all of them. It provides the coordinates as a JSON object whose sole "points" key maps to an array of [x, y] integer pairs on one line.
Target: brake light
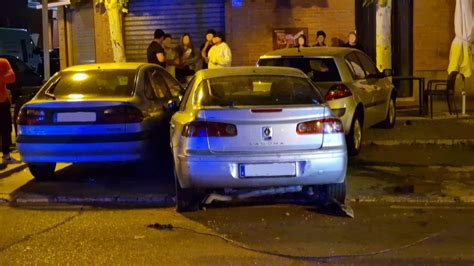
{"points": [[31, 117], [209, 129], [122, 115], [338, 91], [275, 110], [326, 126]]}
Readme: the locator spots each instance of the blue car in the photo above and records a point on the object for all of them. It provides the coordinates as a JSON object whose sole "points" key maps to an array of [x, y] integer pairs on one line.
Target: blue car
{"points": [[97, 113]]}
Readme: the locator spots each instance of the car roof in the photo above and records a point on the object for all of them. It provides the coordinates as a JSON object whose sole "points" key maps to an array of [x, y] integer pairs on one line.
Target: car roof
{"points": [[250, 70], [310, 51], [106, 66]]}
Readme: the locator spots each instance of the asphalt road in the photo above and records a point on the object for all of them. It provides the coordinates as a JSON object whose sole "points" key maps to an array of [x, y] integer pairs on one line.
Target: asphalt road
{"points": [[289, 232], [282, 234]]}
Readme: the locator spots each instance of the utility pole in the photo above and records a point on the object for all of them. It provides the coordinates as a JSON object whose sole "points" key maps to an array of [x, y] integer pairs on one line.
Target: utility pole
{"points": [[45, 24]]}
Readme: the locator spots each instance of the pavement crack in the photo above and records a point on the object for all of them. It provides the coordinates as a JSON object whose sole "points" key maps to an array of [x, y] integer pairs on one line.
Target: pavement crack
{"points": [[44, 231]]}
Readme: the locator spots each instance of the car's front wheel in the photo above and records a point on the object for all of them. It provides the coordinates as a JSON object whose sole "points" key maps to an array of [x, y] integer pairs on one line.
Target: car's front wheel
{"points": [[42, 171], [391, 117], [354, 138]]}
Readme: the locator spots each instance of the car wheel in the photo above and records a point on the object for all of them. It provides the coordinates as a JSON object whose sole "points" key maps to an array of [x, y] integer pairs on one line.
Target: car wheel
{"points": [[390, 120], [187, 199], [43, 171], [354, 138], [336, 192]]}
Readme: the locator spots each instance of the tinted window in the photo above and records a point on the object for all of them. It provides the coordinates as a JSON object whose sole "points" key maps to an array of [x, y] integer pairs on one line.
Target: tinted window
{"points": [[158, 84], [355, 67], [256, 90], [93, 83], [318, 69], [173, 85], [367, 64]]}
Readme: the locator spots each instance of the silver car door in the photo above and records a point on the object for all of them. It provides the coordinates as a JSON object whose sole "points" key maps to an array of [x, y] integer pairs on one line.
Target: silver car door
{"points": [[382, 89], [362, 90]]}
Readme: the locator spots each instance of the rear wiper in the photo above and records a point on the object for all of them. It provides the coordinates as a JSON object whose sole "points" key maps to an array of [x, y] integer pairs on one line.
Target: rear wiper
{"points": [[50, 91]]}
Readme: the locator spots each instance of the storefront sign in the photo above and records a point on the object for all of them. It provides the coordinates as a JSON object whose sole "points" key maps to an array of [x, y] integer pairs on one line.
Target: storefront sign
{"points": [[286, 37]]}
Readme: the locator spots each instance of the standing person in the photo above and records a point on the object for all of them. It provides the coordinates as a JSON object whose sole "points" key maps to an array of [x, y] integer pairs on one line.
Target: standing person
{"points": [[187, 58], [320, 39], [7, 76], [220, 54], [352, 42], [155, 52], [206, 46], [301, 41], [171, 55]]}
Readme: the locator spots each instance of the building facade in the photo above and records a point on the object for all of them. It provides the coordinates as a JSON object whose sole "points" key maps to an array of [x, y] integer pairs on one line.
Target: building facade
{"points": [[251, 25]]}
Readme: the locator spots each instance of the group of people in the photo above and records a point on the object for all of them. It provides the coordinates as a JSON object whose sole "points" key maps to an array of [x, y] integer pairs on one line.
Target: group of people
{"points": [[352, 41], [182, 60]]}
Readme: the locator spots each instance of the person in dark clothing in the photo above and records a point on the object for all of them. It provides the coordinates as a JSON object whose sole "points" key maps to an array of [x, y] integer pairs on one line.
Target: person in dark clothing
{"points": [[155, 52], [187, 58], [352, 42], [7, 76], [301, 41], [320, 39], [206, 46]]}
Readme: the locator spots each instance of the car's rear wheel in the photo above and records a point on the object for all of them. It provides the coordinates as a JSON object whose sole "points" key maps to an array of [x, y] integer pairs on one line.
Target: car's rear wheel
{"points": [[42, 171], [354, 138], [336, 192], [391, 117], [187, 199]]}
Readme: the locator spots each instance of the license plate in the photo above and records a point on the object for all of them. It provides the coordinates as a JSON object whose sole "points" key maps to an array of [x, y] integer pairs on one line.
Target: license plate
{"points": [[267, 170], [76, 117]]}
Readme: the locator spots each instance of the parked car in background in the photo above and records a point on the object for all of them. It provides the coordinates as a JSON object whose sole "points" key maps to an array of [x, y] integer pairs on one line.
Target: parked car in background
{"points": [[96, 113], [254, 127], [28, 81], [353, 87], [18, 43]]}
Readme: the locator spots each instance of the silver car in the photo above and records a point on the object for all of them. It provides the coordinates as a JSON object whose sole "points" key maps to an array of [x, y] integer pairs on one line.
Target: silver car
{"points": [[252, 127], [353, 87], [96, 113]]}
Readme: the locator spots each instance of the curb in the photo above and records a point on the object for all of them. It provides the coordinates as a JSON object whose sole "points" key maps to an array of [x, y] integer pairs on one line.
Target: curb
{"points": [[13, 170], [443, 142], [161, 200], [420, 199]]}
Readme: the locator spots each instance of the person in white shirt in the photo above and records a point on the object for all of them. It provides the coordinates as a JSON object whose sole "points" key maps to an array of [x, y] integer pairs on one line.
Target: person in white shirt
{"points": [[220, 55]]}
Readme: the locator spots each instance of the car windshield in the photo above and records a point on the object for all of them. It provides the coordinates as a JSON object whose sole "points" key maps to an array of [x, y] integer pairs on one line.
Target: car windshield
{"points": [[256, 90], [317, 69], [92, 84]]}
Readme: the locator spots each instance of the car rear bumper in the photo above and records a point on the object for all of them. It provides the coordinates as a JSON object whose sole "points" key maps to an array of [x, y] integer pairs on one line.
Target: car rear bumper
{"points": [[82, 152], [323, 166]]}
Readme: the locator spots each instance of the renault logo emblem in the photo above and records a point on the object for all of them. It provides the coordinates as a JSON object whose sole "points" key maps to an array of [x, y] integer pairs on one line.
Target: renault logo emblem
{"points": [[267, 133]]}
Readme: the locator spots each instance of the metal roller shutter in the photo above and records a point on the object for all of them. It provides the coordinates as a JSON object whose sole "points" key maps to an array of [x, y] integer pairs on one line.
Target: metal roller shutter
{"points": [[174, 17], [83, 38]]}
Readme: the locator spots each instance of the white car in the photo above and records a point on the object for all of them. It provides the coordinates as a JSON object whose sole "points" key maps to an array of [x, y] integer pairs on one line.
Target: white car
{"points": [[353, 87], [255, 127]]}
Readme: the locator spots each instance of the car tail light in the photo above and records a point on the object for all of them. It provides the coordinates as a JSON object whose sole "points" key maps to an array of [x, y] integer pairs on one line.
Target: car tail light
{"points": [[122, 115], [31, 117], [338, 91], [209, 129], [326, 126]]}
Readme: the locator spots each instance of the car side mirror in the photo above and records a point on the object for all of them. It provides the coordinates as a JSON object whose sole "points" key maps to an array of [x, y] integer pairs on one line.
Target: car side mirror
{"points": [[173, 105], [388, 72]]}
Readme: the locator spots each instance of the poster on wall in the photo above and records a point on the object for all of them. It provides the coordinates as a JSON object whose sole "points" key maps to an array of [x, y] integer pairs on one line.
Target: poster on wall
{"points": [[286, 37]]}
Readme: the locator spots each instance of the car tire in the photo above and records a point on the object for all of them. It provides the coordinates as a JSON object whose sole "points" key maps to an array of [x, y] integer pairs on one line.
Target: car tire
{"points": [[187, 199], [354, 138], [336, 192], [43, 171], [391, 117]]}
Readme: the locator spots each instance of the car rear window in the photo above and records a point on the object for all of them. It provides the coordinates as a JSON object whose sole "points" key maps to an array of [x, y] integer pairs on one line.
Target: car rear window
{"points": [[256, 90], [317, 69], [92, 83]]}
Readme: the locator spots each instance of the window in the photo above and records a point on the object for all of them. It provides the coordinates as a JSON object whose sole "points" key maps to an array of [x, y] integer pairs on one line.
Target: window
{"points": [[367, 64], [173, 85], [354, 66], [148, 88], [189, 88], [158, 84], [256, 90], [94, 83], [317, 69]]}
